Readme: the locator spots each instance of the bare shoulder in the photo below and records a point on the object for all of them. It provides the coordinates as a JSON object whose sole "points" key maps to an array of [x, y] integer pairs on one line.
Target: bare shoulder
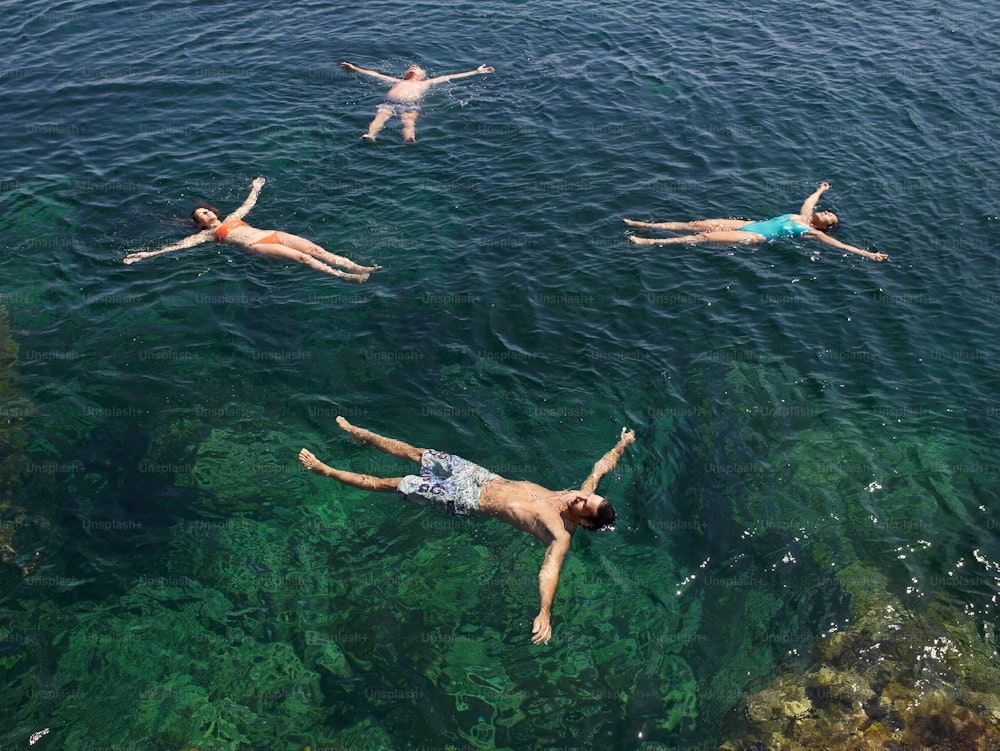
{"points": [[553, 528]]}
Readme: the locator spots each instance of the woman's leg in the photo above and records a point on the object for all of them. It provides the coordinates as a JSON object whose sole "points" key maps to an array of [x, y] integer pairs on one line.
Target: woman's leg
{"points": [[295, 242], [286, 253], [388, 445], [702, 225], [722, 236]]}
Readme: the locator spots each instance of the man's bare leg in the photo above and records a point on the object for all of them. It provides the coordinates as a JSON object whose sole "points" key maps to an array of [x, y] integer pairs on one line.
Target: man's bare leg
{"points": [[375, 126], [388, 445], [365, 482], [409, 120]]}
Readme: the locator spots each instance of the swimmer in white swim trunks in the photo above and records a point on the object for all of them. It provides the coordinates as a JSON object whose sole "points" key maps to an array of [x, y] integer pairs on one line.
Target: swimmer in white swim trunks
{"points": [[457, 486], [404, 97]]}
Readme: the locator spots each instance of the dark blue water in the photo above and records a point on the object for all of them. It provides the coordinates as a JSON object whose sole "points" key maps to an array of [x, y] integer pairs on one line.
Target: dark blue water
{"points": [[811, 424]]}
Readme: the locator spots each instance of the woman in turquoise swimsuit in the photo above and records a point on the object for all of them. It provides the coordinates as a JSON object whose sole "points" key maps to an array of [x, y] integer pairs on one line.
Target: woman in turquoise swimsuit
{"points": [[234, 231], [807, 223]]}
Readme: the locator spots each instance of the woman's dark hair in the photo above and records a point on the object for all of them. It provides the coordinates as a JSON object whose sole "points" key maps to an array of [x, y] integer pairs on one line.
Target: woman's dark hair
{"points": [[603, 520], [203, 205], [830, 226]]}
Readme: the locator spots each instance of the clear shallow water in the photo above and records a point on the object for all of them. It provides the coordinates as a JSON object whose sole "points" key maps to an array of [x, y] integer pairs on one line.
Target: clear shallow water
{"points": [[798, 410]]}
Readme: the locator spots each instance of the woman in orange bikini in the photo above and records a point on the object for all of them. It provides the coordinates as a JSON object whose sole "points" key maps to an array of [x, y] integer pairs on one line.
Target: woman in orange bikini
{"points": [[235, 231]]}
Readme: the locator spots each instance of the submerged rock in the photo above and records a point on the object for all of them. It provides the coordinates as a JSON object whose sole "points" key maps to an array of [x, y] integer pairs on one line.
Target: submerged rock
{"points": [[895, 680]]}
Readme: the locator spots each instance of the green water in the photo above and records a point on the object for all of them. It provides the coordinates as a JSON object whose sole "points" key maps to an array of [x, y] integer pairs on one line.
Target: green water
{"points": [[815, 432]]}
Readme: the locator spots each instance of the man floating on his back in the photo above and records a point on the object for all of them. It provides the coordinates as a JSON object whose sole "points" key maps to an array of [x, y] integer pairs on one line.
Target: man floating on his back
{"points": [[457, 486], [404, 97]]}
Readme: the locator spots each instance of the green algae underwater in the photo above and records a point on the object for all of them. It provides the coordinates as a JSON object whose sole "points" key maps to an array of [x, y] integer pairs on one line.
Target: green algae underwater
{"points": [[21, 528], [259, 625]]}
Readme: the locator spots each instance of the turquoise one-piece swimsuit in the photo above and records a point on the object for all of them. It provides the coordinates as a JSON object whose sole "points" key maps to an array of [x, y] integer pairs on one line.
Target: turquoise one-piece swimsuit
{"points": [[779, 226]]}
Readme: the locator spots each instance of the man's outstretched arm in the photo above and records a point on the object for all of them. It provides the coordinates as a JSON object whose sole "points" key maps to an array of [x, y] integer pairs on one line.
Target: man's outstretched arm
{"points": [[453, 76], [607, 462], [373, 73], [548, 580]]}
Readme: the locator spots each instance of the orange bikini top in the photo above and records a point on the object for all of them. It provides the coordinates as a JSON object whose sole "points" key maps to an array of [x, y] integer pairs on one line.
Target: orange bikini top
{"points": [[223, 229]]}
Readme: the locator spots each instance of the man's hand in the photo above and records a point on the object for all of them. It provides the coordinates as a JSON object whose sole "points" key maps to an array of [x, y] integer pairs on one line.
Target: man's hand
{"points": [[484, 69], [878, 256], [628, 436], [258, 183], [541, 630]]}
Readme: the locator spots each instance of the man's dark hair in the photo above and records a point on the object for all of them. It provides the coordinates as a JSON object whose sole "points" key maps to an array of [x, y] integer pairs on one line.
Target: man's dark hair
{"points": [[604, 519]]}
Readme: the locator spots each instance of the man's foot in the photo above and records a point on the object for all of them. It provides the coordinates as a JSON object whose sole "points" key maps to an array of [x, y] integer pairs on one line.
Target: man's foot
{"points": [[388, 445], [358, 434], [369, 269], [634, 223], [645, 240], [368, 138], [308, 460]]}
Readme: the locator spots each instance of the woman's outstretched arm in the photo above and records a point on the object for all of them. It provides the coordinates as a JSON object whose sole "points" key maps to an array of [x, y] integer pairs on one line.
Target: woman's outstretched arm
{"points": [[809, 205], [250, 201], [823, 237], [190, 241]]}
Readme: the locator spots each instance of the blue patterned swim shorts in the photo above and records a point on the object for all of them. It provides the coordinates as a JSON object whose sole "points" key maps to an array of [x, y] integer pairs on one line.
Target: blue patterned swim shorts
{"points": [[398, 107], [446, 482]]}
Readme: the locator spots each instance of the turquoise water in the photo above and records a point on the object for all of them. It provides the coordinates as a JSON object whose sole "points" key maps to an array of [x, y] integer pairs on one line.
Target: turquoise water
{"points": [[173, 578]]}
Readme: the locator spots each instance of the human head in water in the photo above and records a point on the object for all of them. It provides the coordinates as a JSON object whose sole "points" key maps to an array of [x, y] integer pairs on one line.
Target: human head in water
{"points": [[205, 216], [825, 221], [591, 511], [415, 73]]}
